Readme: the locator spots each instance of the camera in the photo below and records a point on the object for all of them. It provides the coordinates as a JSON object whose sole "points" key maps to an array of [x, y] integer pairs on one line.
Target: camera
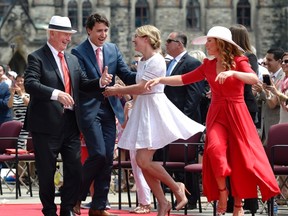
{"points": [[266, 79]]}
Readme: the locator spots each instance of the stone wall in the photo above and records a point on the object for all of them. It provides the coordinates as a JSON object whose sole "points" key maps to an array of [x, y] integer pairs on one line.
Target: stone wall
{"points": [[167, 15]]}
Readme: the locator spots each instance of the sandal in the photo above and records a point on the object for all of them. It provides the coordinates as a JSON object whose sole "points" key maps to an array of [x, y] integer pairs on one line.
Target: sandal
{"points": [[142, 209], [222, 209], [238, 210]]}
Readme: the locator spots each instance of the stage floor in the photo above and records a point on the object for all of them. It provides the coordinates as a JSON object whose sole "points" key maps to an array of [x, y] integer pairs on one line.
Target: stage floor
{"points": [[8, 198]]}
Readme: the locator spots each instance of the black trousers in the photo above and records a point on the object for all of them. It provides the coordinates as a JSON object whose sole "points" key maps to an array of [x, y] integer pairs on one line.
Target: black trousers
{"points": [[47, 147]]}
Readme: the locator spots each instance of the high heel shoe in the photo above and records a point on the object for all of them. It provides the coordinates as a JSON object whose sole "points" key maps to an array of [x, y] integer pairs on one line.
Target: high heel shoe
{"points": [[238, 210], [164, 209], [181, 197], [221, 209]]}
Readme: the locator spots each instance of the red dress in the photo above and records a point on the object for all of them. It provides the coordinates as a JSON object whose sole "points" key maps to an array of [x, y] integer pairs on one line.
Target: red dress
{"points": [[232, 147]]}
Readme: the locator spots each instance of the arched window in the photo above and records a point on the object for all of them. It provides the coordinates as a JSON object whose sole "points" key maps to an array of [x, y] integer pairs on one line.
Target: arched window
{"points": [[73, 13], [244, 13], [86, 11], [193, 14], [142, 14], [4, 5]]}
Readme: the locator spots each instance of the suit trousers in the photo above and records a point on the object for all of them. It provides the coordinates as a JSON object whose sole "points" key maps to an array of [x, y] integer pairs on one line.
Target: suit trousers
{"points": [[143, 189], [100, 139], [47, 147]]}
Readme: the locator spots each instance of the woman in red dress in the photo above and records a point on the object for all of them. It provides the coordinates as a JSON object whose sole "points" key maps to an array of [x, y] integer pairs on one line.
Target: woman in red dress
{"points": [[232, 146]]}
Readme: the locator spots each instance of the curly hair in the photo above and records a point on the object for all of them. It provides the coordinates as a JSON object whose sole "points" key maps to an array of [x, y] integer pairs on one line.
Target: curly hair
{"points": [[227, 52]]}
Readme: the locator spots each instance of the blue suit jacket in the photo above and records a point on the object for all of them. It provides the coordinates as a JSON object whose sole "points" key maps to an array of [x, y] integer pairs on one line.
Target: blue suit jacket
{"points": [[112, 58]]}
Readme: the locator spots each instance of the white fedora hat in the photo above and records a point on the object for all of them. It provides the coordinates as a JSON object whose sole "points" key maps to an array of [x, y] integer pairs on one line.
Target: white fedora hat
{"points": [[219, 32], [62, 24]]}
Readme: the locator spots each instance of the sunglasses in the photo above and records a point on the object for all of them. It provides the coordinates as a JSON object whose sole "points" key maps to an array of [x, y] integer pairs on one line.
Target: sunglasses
{"points": [[285, 62], [172, 40]]}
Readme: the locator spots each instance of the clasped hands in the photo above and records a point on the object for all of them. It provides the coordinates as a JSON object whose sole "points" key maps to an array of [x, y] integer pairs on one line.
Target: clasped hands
{"points": [[15, 88], [112, 91], [68, 101]]}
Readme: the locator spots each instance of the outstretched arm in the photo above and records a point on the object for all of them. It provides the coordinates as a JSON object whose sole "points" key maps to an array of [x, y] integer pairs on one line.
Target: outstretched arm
{"points": [[171, 81], [135, 89]]}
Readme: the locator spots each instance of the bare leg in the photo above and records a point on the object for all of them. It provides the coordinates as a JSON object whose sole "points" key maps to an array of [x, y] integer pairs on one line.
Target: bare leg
{"points": [[223, 195], [154, 174], [238, 210]]}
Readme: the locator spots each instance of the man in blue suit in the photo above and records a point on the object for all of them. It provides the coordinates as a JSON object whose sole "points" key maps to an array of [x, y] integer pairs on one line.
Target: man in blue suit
{"points": [[98, 114]]}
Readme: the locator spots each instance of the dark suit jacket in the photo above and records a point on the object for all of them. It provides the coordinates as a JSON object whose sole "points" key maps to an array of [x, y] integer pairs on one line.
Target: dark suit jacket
{"points": [[42, 76], [249, 98], [188, 97], [113, 59], [5, 111]]}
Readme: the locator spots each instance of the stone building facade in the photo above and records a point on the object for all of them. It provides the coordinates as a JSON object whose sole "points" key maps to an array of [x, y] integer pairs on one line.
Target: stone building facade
{"points": [[23, 22]]}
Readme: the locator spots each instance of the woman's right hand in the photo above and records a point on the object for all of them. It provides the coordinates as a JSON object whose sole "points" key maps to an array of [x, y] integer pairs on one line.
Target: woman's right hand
{"points": [[149, 84]]}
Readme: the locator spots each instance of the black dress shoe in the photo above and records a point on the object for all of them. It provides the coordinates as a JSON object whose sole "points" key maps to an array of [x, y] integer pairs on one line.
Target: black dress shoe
{"points": [[67, 213]]}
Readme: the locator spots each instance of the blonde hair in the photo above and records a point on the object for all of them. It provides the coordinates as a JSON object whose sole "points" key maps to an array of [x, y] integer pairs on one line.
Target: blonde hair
{"points": [[153, 34]]}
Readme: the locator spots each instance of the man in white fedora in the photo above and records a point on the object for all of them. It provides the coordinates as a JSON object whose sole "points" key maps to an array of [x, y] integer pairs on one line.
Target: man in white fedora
{"points": [[53, 79]]}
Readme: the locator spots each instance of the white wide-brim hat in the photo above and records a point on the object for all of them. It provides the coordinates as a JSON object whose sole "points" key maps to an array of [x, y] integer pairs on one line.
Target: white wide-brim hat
{"points": [[61, 24], [219, 32]]}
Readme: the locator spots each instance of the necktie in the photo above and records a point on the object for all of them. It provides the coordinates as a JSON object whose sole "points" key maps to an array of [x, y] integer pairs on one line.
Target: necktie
{"points": [[65, 73], [99, 59], [170, 67]]}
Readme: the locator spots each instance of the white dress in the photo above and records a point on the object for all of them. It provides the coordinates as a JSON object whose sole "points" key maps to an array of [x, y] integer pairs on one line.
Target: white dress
{"points": [[155, 121]]}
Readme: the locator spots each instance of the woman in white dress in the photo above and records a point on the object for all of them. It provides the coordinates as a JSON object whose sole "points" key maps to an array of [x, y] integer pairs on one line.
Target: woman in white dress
{"points": [[154, 121]]}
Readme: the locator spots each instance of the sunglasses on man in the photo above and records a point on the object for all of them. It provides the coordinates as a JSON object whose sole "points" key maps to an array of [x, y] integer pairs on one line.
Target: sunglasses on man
{"points": [[173, 40]]}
